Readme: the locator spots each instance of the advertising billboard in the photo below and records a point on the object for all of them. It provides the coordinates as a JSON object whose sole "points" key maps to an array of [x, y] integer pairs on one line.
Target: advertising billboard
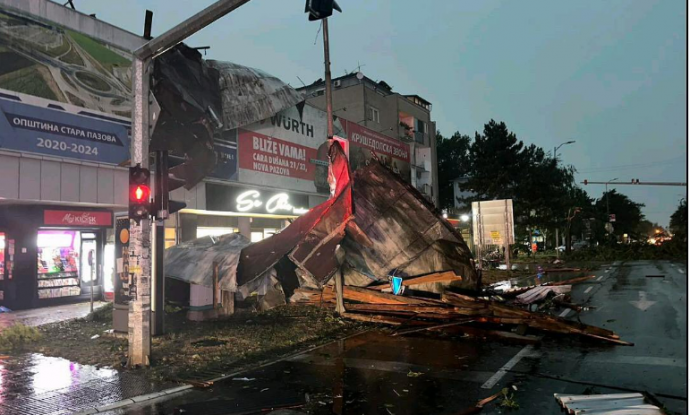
{"points": [[365, 142], [287, 151], [492, 220], [62, 93]]}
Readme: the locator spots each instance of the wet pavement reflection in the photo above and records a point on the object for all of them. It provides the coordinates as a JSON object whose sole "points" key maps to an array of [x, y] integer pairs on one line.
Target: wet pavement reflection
{"points": [[370, 373], [36, 384]]}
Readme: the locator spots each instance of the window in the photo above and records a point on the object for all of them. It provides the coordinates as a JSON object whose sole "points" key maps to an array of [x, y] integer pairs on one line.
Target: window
{"points": [[421, 131], [374, 115]]}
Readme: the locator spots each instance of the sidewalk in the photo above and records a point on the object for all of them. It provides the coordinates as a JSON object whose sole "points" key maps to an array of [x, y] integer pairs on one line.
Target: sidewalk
{"points": [[46, 315], [33, 384]]}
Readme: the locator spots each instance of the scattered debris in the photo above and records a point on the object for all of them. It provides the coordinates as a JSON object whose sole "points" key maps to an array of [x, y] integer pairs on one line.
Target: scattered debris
{"points": [[547, 270], [244, 379], [412, 374], [95, 336], [452, 312], [615, 403], [508, 400], [540, 293]]}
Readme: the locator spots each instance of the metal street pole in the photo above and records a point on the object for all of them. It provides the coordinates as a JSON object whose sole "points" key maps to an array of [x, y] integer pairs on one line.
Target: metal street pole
{"points": [[327, 63], [340, 302], [607, 197], [555, 156], [140, 234]]}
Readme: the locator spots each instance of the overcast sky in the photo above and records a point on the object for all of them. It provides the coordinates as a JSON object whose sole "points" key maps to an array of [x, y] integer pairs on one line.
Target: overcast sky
{"points": [[609, 74]]}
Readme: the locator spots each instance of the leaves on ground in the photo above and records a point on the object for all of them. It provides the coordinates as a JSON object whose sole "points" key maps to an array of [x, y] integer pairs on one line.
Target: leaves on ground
{"points": [[190, 350]]}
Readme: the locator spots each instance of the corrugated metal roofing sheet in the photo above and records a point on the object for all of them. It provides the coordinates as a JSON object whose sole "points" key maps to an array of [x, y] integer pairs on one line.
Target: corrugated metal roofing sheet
{"points": [[608, 404]]}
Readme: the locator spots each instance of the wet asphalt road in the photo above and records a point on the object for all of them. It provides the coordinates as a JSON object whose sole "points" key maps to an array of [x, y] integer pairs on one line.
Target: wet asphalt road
{"points": [[378, 374]]}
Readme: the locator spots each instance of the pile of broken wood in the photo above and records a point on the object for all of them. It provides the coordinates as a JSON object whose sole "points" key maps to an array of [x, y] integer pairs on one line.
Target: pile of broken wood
{"points": [[450, 311]]}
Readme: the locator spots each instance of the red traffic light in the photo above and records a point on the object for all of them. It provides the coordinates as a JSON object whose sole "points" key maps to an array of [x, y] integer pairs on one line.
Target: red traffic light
{"points": [[141, 193]]}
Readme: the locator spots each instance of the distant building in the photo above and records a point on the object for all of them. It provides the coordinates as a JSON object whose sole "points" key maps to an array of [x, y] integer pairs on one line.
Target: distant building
{"points": [[406, 119]]}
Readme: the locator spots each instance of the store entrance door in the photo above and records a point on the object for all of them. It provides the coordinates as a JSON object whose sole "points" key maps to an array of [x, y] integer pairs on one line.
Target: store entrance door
{"points": [[88, 267]]}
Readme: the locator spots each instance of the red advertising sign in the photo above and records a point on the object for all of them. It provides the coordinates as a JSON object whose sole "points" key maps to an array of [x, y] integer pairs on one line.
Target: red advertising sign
{"points": [[266, 154], [363, 137], [81, 218]]}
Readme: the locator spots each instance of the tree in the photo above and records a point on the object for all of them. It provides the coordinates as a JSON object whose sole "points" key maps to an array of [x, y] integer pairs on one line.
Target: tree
{"points": [[679, 223], [502, 167], [453, 162], [628, 213]]}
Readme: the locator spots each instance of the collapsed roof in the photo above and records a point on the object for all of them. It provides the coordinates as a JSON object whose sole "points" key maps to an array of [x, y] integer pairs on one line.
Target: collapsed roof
{"points": [[373, 226], [200, 99]]}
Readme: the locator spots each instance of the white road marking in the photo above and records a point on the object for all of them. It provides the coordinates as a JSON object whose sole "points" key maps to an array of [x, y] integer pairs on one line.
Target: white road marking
{"points": [[588, 290], [493, 380], [606, 271], [643, 304], [681, 271], [564, 313], [600, 277]]}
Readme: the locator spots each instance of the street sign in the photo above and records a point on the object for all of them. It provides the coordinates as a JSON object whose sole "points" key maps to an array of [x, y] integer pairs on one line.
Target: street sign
{"points": [[612, 217]]}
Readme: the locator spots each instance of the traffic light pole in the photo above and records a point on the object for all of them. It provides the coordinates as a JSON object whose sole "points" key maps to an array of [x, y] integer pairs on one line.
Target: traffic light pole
{"points": [[140, 233]]}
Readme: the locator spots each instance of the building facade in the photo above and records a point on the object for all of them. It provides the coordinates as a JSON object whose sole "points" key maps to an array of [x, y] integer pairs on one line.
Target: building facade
{"points": [[403, 119]]}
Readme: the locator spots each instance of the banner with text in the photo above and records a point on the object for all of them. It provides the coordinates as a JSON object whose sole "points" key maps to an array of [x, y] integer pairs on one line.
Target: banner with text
{"points": [[53, 132], [364, 142]]}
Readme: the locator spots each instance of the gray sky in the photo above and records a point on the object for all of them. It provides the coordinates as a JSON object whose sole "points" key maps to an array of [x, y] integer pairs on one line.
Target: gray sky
{"points": [[609, 74]]}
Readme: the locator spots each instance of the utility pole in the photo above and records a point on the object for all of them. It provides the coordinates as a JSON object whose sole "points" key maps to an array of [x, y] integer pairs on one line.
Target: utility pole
{"points": [[327, 64], [140, 233], [340, 302]]}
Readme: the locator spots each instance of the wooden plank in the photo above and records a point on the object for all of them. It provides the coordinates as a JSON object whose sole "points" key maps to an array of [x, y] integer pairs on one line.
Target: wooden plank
{"points": [[445, 276], [495, 334], [374, 318], [365, 295]]}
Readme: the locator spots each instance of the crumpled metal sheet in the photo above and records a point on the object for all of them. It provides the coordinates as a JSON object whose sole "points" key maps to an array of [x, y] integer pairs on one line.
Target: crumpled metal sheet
{"points": [[250, 95], [199, 99], [310, 241], [407, 233], [192, 261]]}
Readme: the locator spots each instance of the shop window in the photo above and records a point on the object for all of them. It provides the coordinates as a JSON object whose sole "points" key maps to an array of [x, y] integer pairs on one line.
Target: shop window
{"points": [[257, 236], [208, 231], [58, 264]]}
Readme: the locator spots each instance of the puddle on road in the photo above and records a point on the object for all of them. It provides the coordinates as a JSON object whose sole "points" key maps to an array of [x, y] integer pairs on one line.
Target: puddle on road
{"points": [[370, 373]]}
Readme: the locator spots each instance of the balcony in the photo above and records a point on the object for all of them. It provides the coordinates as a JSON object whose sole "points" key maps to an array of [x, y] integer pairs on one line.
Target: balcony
{"points": [[419, 137]]}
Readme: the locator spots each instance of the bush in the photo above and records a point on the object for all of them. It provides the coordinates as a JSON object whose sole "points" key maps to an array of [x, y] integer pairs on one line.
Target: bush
{"points": [[17, 336], [102, 314]]}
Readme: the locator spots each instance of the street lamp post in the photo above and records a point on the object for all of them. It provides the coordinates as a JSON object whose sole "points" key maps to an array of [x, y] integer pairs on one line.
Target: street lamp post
{"points": [[607, 196], [555, 149], [555, 156]]}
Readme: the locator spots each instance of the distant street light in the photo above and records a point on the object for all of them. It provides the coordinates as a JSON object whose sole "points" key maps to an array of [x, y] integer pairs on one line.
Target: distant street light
{"points": [[464, 218], [555, 149], [607, 196], [555, 156]]}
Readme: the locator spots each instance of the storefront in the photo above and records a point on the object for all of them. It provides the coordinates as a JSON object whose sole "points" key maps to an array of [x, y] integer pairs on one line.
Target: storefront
{"points": [[51, 255], [255, 212]]}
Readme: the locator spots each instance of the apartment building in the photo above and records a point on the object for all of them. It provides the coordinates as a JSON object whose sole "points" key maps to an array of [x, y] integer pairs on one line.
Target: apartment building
{"points": [[406, 119]]}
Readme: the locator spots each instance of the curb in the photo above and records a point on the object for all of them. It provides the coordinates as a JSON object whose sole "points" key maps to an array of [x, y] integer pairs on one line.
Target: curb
{"points": [[171, 391]]}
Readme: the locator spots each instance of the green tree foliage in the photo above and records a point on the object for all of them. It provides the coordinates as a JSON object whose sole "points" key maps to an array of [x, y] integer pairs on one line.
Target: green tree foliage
{"points": [[628, 213], [679, 223], [453, 162]]}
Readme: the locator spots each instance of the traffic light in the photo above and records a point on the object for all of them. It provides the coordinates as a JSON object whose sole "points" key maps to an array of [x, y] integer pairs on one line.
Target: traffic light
{"points": [[139, 193], [320, 9]]}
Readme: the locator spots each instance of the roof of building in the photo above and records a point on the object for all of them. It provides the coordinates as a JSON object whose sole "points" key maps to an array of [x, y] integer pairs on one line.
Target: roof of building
{"points": [[379, 84]]}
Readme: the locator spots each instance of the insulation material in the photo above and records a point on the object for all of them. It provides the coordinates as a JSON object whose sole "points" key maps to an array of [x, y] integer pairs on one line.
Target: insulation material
{"points": [[192, 261]]}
